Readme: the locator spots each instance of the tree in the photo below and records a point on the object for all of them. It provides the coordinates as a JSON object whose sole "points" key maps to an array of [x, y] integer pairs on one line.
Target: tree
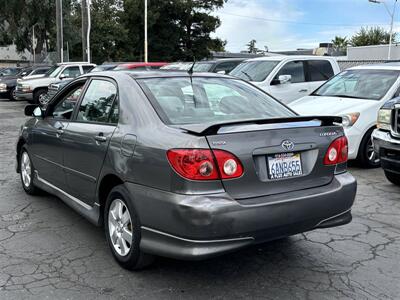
{"points": [[371, 36], [251, 47], [177, 30], [340, 43]]}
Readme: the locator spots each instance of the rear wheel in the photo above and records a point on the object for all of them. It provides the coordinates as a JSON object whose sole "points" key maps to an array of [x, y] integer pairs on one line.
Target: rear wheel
{"points": [[123, 230], [26, 173], [39, 95], [393, 177], [367, 157]]}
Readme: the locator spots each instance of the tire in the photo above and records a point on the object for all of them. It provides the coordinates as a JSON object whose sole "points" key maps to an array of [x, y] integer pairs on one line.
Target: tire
{"points": [[38, 94], [12, 94], [367, 158], [120, 219], [27, 172], [393, 177]]}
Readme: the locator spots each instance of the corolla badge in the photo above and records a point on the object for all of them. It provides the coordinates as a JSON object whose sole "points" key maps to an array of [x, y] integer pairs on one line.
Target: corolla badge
{"points": [[287, 145]]}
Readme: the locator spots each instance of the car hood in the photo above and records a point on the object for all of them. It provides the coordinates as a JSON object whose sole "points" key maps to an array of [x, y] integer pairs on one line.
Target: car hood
{"points": [[321, 105], [42, 81], [7, 78]]}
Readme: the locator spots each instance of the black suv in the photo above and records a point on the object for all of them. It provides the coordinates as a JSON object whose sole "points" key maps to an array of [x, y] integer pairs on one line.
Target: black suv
{"points": [[386, 139]]}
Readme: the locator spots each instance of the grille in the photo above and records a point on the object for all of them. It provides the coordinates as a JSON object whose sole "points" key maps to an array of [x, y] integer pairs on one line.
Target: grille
{"points": [[396, 121]]}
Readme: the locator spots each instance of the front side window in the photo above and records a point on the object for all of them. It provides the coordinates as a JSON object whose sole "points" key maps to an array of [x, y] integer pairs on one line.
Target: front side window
{"points": [[363, 84], [209, 100], [295, 69], [319, 70], [97, 102], [71, 72], [65, 107], [256, 70]]}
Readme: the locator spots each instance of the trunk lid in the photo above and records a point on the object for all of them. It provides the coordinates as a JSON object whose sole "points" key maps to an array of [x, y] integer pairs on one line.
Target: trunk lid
{"points": [[260, 145]]}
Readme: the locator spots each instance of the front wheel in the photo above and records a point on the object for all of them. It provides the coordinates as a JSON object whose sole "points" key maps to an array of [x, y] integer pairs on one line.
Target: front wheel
{"points": [[39, 96], [13, 94], [393, 177], [123, 230], [26, 173], [367, 157]]}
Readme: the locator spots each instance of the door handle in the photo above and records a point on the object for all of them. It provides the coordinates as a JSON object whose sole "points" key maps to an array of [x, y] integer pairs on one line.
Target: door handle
{"points": [[100, 138], [303, 90]]}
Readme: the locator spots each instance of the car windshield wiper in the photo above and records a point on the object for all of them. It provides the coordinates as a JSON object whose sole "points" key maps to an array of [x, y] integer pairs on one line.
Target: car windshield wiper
{"points": [[247, 75], [342, 96]]}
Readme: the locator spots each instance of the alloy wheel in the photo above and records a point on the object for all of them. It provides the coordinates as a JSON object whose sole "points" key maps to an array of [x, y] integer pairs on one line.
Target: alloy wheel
{"points": [[26, 169], [372, 157], [120, 227]]}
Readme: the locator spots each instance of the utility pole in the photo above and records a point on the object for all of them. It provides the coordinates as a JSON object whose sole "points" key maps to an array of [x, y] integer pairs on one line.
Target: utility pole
{"points": [[59, 24], [145, 32], [85, 26]]}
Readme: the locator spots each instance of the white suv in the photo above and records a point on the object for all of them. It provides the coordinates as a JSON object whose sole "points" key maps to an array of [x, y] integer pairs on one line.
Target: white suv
{"points": [[287, 78], [33, 89]]}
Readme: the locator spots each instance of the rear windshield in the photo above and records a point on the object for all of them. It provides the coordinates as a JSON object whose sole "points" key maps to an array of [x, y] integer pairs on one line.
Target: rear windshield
{"points": [[207, 100], [256, 70]]}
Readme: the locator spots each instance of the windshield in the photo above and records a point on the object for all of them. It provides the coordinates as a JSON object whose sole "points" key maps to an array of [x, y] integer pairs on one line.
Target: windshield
{"points": [[209, 100], [363, 84], [202, 67], [256, 70], [54, 71], [10, 71]]}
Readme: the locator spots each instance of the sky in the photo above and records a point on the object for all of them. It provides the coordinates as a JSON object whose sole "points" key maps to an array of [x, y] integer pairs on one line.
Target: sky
{"points": [[292, 24]]}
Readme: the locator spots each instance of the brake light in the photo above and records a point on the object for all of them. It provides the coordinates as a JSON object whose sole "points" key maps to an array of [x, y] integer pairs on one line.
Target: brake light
{"points": [[204, 164], [337, 152]]}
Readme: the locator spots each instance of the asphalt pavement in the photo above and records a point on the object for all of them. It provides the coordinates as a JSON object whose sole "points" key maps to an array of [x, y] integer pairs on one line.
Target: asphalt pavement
{"points": [[49, 251]]}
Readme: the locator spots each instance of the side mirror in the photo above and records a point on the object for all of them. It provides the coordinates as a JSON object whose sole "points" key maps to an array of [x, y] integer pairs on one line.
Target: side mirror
{"points": [[282, 79], [63, 76], [223, 72], [33, 110], [24, 74]]}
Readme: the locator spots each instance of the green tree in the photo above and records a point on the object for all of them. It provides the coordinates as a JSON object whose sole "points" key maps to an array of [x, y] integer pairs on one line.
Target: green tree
{"points": [[251, 47], [371, 36], [340, 43], [177, 29]]}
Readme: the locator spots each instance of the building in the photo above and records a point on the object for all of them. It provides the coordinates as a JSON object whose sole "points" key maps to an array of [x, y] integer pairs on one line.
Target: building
{"points": [[375, 52], [9, 56]]}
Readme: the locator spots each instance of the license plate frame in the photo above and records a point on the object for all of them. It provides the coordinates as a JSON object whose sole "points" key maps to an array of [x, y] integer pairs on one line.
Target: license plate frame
{"points": [[284, 165]]}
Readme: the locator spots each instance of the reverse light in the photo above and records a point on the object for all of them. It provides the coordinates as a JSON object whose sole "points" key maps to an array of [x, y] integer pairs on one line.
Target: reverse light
{"points": [[337, 152], [204, 164], [384, 119]]}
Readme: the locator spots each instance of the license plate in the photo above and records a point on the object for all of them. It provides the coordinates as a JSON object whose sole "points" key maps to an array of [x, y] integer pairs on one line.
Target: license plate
{"points": [[284, 165]]}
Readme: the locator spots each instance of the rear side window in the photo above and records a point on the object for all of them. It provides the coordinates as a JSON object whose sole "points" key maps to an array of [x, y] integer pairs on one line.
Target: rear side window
{"points": [[319, 70], [294, 69], [97, 103]]}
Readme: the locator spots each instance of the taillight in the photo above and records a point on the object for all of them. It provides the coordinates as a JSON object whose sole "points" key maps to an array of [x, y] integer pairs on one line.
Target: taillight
{"points": [[337, 152], [204, 164]]}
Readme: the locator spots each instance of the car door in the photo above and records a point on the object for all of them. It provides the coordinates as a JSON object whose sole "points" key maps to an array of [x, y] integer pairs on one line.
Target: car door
{"points": [[47, 146], [296, 88], [317, 72], [87, 138]]}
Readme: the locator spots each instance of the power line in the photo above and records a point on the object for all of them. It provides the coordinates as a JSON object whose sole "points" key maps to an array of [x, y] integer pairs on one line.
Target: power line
{"points": [[298, 23]]}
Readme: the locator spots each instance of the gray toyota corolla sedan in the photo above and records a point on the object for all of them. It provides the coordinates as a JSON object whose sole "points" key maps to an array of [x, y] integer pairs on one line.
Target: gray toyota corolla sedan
{"points": [[187, 167]]}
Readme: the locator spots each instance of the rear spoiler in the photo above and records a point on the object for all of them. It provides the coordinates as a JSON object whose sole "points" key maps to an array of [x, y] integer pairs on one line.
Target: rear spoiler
{"points": [[212, 128]]}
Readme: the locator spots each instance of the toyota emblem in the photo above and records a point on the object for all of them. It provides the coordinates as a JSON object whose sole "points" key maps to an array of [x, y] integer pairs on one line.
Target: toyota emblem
{"points": [[287, 145]]}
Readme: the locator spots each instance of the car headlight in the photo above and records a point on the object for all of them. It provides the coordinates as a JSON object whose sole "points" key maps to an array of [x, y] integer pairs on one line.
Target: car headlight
{"points": [[384, 119], [3, 86], [26, 88], [350, 119]]}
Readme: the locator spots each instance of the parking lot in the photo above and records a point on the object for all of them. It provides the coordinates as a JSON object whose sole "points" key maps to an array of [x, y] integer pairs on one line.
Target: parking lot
{"points": [[48, 250]]}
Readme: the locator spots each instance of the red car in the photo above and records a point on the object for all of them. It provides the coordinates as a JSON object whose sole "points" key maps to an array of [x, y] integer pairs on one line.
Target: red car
{"points": [[140, 65]]}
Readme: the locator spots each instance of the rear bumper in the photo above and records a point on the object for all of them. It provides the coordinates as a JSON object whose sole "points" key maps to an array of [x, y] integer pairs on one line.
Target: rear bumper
{"points": [[388, 150], [195, 227]]}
